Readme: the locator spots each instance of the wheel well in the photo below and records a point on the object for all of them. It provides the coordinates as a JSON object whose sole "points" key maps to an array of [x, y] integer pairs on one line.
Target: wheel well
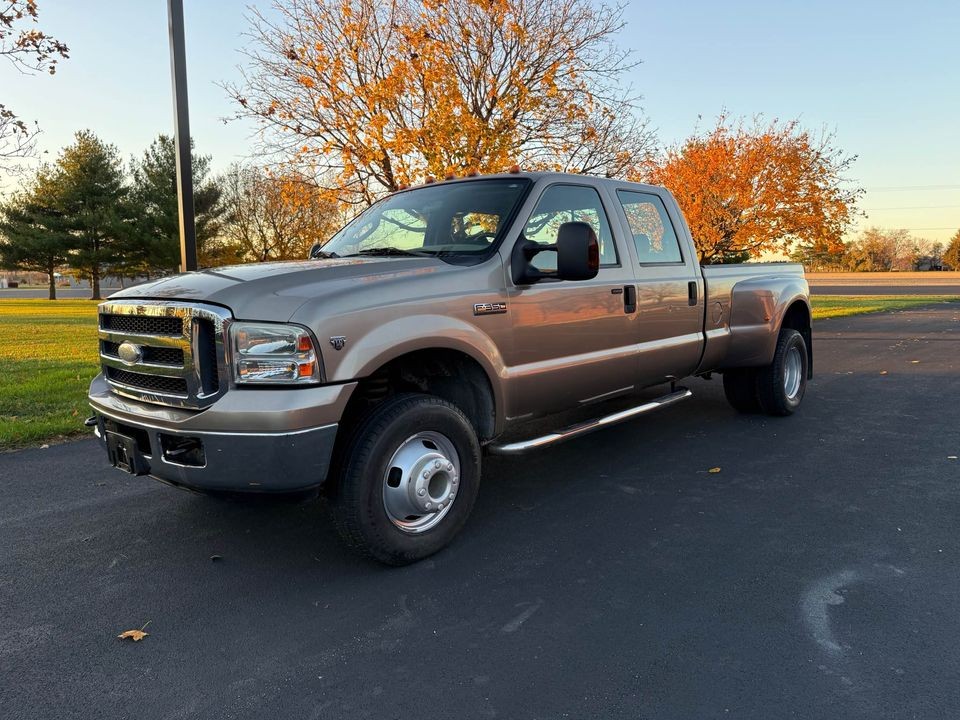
{"points": [[797, 317], [449, 374]]}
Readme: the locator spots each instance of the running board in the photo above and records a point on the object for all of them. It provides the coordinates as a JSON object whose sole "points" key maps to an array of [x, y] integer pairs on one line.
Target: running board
{"points": [[567, 433]]}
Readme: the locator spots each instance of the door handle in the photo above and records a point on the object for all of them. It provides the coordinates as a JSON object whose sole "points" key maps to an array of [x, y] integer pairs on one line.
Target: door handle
{"points": [[629, 298], [692, 291]]}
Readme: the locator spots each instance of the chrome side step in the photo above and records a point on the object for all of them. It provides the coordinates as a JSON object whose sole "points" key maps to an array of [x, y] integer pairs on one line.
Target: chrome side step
{"points": [[567, 433]]}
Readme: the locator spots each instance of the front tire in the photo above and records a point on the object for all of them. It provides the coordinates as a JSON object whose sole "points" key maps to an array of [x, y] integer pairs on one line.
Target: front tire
{"points": [[408, 481], [781, 384]]}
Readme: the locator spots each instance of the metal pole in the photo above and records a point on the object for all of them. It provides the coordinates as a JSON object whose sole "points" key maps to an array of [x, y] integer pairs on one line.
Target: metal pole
{"points": [[181, 137]]}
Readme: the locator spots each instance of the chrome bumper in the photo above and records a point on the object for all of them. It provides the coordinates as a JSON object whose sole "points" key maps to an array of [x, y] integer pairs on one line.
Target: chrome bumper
{"points": [[256, 458]]}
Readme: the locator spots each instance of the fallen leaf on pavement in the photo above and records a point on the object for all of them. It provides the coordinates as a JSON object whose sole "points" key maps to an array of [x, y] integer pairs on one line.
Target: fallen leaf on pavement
{"points": [[714, 470], [883, 372], [135, 635]]}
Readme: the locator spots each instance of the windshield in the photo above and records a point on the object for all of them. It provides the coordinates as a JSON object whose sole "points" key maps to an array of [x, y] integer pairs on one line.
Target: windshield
{"points": [[462, 219]]}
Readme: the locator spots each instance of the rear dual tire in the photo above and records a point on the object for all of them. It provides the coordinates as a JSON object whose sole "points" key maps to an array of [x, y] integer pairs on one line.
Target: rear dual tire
{"points": [[776, 389]]}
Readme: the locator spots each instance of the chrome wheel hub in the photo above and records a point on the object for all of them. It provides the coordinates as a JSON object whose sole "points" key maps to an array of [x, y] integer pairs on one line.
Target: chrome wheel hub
{"points": [[792, 373], [421, 482]]}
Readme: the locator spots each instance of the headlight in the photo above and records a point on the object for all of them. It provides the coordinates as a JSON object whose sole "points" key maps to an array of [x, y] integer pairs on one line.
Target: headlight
{"points": [[274, 353]]}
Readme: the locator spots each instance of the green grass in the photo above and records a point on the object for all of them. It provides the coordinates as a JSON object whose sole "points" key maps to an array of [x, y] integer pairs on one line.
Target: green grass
{"points": [[48, 355], [48, 351], [831, 306]]}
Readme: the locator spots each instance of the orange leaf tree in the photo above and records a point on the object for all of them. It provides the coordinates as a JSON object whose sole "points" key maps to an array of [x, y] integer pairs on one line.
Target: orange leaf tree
{"points": [[274, 217], [29, 50], [747, 189], [370, 96]]}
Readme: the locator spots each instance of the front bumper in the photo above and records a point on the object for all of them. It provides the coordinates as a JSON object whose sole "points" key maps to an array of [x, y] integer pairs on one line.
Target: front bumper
{"points": [[253, 441]]}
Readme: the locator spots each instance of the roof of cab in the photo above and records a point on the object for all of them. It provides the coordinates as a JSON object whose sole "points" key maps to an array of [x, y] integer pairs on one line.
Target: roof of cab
{"points": [[535, 176]]}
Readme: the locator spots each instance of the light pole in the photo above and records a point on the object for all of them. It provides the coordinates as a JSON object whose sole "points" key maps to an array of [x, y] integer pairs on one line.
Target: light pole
{"points": [[181, 138]]}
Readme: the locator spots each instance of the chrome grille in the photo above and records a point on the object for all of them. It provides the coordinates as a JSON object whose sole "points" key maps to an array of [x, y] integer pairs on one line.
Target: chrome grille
{"points": [[178, 354], [156, 355]]}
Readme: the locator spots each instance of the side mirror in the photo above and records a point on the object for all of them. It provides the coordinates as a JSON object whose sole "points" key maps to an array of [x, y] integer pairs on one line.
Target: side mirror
{"points": [[315, 250], [578, 256], [578, 252]]}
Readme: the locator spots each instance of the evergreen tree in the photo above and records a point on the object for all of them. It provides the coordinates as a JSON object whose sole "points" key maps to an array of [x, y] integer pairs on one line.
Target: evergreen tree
{"points": [[154, 193], [93, 200], [33, 233]]}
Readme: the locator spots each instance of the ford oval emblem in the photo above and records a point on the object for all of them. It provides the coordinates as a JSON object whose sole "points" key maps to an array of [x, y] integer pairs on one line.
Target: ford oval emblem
{"points": [[130, 353]]}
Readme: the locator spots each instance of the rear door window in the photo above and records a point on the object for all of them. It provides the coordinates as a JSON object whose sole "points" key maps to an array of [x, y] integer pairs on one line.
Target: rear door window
{"points": [[653, 233]]}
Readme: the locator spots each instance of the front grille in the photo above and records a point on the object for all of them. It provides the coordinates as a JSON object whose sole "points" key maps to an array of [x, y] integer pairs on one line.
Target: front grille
{"points": [[181, 351], [149, 383], [142, 324], [153, 355]]}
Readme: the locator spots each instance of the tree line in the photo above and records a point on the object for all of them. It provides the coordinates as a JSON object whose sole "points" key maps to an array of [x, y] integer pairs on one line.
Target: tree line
{"points": [[355, 99], [93, 214]]}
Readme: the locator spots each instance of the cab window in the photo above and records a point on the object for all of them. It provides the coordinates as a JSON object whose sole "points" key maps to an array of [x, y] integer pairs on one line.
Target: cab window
{"points": [[569, 203], [653, 233]]}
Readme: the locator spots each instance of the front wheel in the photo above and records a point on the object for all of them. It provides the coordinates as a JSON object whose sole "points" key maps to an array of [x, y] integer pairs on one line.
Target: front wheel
{"points": [[781, 384], [409, 478]]}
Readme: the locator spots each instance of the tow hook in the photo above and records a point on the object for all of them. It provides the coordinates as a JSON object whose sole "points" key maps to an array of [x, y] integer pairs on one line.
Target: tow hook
{"points": [[90, 421]]}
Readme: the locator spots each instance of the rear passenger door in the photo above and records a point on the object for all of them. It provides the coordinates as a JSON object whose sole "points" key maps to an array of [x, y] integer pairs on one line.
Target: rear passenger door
{"points": [[669, 287]]}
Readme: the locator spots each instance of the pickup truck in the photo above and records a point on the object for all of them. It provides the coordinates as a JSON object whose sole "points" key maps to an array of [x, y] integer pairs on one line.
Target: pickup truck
{"points": [[385, 365]]}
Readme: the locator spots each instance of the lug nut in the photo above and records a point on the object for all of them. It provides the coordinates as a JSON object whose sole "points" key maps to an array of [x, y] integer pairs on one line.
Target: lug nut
{"points": [[429, 505], [426, 473], [449, 467], [421, 492], [437, 464]]}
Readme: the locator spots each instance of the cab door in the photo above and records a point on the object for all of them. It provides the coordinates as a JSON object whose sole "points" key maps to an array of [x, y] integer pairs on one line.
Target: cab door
{"points": [[573, 342], [670, 302]]}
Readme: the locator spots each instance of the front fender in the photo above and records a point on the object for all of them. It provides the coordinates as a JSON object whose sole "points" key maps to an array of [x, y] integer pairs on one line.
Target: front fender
{"points": [[362, 356]]}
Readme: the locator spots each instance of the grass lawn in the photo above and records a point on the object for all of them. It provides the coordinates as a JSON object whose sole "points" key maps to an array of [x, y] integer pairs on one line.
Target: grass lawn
{"points": [[830, 306], [49, 355], [48, 351]]}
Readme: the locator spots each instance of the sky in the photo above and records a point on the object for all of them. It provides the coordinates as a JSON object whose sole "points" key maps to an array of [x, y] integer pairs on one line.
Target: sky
{"points": [[883, 76]]}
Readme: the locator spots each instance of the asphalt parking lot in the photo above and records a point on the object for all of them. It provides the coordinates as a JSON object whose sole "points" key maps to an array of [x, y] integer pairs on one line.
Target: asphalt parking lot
{"points": [[817, 575]]}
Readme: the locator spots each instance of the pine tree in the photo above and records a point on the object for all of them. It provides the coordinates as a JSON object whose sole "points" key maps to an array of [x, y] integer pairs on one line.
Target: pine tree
{"points": [[154, 193], [93, 200], [33, 233]]}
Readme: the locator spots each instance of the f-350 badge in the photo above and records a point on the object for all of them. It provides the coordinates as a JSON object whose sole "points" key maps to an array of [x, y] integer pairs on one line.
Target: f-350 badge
{"points": [[338, 341], [494, 308]]}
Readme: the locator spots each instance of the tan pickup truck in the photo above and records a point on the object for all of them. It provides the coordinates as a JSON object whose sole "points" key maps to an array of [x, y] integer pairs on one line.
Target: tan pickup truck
{"points": [[383, 367]]}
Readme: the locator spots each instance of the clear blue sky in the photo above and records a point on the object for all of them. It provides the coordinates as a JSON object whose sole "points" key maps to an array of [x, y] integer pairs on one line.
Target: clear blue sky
{"points": [[884, 75]]}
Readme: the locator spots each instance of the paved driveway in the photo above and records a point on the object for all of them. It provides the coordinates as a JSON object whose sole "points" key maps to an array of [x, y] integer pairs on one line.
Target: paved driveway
{"points": [[816, 576]]}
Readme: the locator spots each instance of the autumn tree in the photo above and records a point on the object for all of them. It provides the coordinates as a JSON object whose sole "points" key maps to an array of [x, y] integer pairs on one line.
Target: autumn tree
{"points": [[875, 250], [29, 50], [33, 233], [369, 96], [746, 188], [951, 256], [154, 193], [271, 217]]}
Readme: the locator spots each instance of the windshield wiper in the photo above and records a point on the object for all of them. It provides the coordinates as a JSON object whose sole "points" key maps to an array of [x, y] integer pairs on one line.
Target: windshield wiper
{"points": [[386, 252]]}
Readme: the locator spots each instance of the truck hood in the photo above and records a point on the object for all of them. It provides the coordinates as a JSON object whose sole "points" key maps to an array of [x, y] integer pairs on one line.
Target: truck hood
{"points": [[274, 291]]}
